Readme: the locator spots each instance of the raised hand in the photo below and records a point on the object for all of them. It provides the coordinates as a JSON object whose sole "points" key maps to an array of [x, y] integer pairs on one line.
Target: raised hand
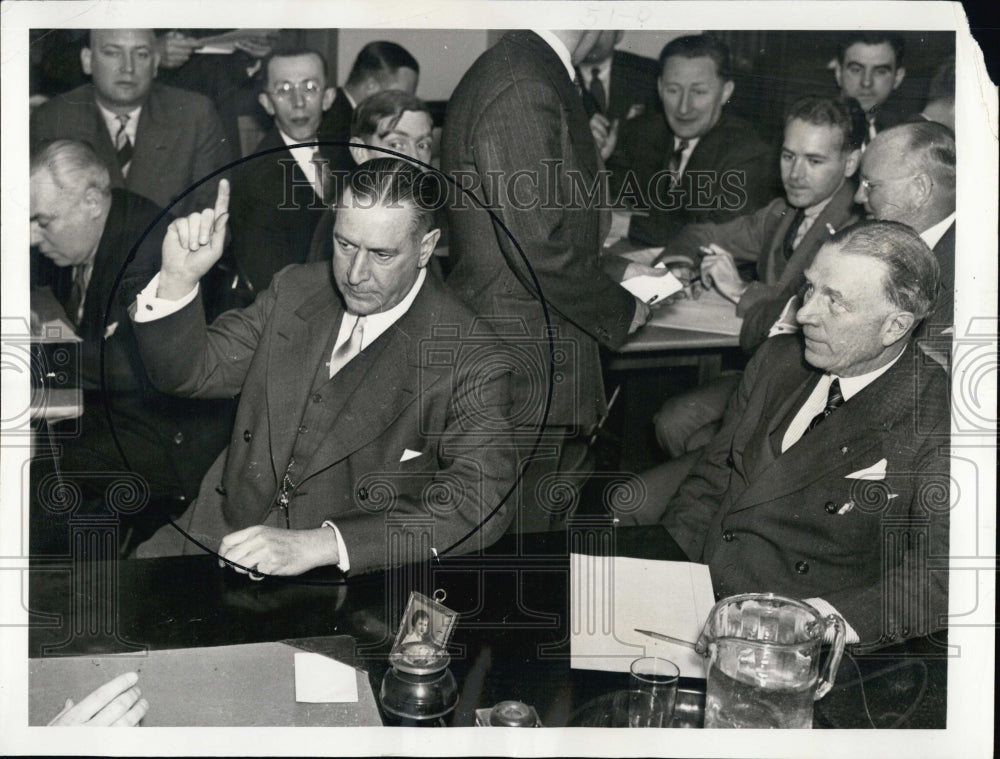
{"points": [[191, 247]]}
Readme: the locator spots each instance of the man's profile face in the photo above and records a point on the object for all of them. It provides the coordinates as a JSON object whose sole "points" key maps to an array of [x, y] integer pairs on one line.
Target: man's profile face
{"points": [[377, 254], [122, 64], [813, 163], [693, 94], [886, 189], [845, 312], [63, 225], [296, 95], [412, 136], [869, 74]]}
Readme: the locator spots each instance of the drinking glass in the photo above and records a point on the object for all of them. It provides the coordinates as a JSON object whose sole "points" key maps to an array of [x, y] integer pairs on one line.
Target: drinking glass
{"points": [[652, 692]]}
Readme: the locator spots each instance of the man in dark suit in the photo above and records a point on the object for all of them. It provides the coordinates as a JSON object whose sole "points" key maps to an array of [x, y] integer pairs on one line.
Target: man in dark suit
{"points": [[908, 175], [819, 156], [869, 68], [155, 140], [692, 163], [516, 137], [88, 230], [380, 65], [278, 193], [369, 433], [617, 86], [818, 484]]}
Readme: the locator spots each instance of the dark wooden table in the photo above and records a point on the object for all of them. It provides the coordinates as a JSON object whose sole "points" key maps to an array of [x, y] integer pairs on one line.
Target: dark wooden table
{"points": [[512, 641]]}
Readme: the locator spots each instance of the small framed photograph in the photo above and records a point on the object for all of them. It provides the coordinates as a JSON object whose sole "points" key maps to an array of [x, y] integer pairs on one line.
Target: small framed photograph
{"points": [[426, 623]]}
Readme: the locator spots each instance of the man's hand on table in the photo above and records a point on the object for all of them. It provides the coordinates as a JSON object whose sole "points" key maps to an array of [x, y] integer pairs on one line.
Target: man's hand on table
{"points": [[273, 551], [191, 247], [117, 703], [718, 269]]}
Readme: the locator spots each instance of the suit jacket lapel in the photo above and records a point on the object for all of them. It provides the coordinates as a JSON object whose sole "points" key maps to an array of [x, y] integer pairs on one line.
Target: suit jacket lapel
{"points": [[840, 440], [301, 338], [378, 384], [153, 139]]}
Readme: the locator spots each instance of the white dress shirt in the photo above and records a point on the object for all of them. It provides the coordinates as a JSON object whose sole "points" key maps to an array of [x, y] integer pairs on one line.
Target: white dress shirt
{"points": [[304, 157], [933, 235], [113, 124]]}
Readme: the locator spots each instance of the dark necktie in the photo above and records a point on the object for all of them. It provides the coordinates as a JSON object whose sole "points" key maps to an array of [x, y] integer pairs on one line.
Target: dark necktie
{"points": [[123, 145], [834, 400], [788, 245], [597, 91], [674, 164], [78, 293]]}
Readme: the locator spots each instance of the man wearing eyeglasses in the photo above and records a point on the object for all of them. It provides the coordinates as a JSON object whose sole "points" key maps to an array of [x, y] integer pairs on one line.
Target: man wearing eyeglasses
{"points": [[155, 140], [279, 192], [908, 175]]}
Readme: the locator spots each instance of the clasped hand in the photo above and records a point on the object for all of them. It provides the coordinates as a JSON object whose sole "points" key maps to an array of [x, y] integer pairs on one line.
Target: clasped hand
{"points": [[718, 269]]}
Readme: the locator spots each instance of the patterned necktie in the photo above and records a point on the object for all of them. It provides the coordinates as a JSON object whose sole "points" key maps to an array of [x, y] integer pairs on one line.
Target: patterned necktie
{"points": [[674, 164], [123, 145], [78, 294], [834, 400], [788, 245], [597, 90], [349, 348]]}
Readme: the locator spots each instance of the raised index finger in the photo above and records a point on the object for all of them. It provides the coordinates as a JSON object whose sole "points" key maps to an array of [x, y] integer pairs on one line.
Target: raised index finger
{"points": [[222, 199]]}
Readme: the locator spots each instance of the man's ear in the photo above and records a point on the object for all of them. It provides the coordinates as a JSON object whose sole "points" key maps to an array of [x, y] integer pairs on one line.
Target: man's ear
{"points": [[86, 55], [838, 73], [896, 326], [727, 91], [360, 153], [328, 95], [265, 102], [92, 200], [898, 78], [427, 245], [923, 187], [853, 161]]}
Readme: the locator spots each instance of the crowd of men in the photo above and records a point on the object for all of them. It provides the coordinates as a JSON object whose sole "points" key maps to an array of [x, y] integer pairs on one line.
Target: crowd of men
{"points": [[280, 358]]}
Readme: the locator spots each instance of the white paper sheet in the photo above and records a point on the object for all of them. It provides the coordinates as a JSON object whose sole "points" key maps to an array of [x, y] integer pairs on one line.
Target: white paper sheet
{"points": [[322, 680], [650, 289], [612, 596]]}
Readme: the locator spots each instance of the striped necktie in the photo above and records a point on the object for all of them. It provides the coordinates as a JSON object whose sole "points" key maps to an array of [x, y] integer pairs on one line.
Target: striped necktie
{"points": [[834, 400], [123, 146]]}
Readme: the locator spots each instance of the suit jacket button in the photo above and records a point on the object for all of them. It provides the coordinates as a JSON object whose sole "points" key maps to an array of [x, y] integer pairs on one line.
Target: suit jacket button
{"points": [[362, 493], [178, 438], [317, 398], [247, 436], [831, 507], [728, 536], [303, 428], [801, 567]]}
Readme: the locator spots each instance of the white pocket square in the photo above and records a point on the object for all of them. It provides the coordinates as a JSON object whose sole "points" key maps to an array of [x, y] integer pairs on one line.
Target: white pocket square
{"points": [[408, 454], [874, 472]]}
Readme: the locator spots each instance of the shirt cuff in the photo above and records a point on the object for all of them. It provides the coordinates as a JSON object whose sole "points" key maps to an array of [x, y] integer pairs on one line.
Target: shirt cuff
{"points": [[826, 609], [344, 565], [150, 308], [785, 324]]}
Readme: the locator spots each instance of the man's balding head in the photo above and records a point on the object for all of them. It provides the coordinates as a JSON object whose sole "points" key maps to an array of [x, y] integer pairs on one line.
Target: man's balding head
{"points": [[908, 175], [70, 198]]}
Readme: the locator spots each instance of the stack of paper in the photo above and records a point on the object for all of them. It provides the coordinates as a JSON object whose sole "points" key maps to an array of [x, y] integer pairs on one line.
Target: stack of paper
{"points": [[613, 596]]}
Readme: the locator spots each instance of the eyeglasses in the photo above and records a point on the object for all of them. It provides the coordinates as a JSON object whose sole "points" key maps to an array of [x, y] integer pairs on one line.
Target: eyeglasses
{"points": [[308, 89]]}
